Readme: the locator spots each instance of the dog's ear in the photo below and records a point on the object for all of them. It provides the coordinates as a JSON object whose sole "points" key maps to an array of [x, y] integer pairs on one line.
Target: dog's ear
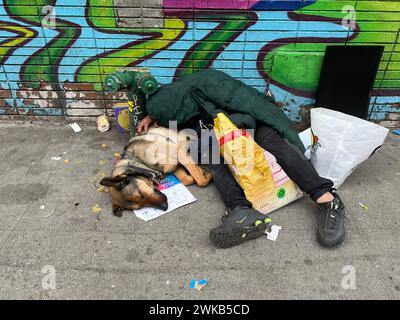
{"points": [[118, 182], [136, 171]]}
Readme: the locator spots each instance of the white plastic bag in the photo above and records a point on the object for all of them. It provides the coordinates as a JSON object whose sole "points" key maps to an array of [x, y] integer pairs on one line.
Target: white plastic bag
{"points": [[343, 143]]}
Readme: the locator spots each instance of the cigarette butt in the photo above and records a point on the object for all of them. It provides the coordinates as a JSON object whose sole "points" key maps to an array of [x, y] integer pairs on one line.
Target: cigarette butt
{"points": [[363, 206]]}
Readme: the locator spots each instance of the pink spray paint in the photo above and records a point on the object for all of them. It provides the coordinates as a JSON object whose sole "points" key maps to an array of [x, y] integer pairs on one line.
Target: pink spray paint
{"points": [[209, 4]]}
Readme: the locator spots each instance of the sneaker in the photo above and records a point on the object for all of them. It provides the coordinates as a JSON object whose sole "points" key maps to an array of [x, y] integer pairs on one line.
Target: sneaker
{"points": [[239, 225], [331, 222]]}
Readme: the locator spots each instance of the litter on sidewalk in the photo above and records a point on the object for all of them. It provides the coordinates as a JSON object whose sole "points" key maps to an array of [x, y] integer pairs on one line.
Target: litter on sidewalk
{"points": [[177, 194], [75, 127], [396, 132], [273, 234], [103, 124], [96, 209], [363, 206], [198, 284]]}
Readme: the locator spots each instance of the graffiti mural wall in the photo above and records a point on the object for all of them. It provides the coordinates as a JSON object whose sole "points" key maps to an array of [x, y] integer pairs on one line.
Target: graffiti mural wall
{"points": [[55, 54]]}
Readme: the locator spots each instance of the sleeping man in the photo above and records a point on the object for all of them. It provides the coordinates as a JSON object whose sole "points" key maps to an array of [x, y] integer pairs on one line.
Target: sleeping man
{"points": [[194, 100]]}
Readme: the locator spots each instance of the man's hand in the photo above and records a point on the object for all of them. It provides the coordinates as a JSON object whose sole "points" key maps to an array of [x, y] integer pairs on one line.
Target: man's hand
{"points": [[145, 123]]}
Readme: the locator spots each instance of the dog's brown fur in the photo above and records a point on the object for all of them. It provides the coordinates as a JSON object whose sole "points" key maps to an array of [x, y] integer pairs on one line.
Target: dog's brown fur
{"points": [[133, 188]]}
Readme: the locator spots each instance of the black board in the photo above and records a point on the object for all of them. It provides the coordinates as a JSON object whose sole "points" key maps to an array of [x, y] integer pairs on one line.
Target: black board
{"points": [[347, 77]]}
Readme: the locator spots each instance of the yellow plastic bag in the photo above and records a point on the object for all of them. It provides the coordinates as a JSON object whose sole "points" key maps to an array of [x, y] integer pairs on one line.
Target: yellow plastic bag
{"points": [[264, 182]]}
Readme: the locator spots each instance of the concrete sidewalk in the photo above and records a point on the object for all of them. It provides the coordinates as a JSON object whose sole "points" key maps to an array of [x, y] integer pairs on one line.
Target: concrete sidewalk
{"points": [[126, 258]]}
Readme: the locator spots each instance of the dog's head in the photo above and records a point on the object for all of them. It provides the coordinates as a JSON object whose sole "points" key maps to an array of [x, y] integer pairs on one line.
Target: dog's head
{"points": [[133, 189]]}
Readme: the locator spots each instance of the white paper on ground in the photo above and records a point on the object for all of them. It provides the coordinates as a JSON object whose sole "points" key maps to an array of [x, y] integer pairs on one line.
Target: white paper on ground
{"points": [[306, 137], [177, 194], [273, 235], [75, 127]]}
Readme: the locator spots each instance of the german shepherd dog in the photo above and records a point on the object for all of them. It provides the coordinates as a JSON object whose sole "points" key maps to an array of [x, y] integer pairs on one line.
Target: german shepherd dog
{"points": [[145, 160]]}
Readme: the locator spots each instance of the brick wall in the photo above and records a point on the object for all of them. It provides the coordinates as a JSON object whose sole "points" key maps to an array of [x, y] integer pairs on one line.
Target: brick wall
{"points": [[54, 55]]}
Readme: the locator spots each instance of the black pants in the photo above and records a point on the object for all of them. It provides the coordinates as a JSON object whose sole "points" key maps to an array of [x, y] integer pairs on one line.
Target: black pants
{"points": [[290, 158]]}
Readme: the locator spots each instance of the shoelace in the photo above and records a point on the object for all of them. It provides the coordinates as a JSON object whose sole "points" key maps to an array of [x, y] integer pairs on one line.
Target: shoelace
{"points": [[333, 190], [332, 216]]}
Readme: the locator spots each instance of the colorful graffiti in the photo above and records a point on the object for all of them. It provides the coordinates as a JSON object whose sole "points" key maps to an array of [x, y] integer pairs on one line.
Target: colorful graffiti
{"points": [[270, 44]]}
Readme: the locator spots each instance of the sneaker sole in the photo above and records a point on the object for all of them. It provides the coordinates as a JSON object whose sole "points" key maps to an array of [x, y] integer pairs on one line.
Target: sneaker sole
{"points": [[227, 238], [330, 244]]}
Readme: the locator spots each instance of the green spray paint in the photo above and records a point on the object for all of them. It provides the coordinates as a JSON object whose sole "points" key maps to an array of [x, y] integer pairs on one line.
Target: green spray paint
{"points": [[206, 51], [131, 54], [298, 65], [42, 65]]}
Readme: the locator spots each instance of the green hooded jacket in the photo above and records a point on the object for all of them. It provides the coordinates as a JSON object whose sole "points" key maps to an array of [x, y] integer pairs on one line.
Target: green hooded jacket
{"points": [[213, 91]]}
